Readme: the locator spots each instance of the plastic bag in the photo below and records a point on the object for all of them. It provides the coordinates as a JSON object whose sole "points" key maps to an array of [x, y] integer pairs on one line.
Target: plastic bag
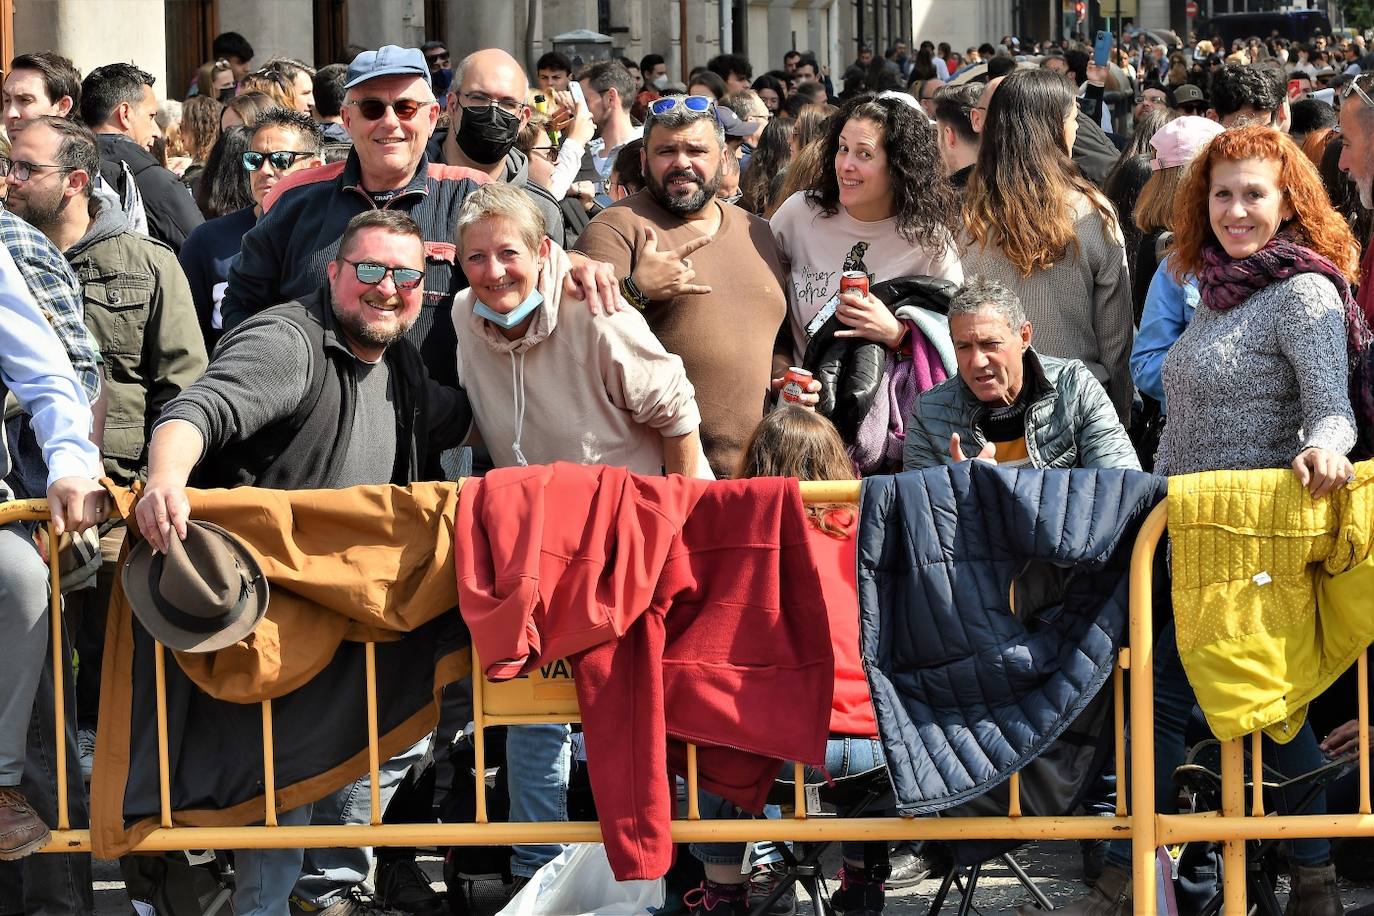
{"points": [[579, 882]]}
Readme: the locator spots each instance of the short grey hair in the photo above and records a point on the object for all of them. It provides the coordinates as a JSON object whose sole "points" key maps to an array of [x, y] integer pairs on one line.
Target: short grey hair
{"points": [[982, 292], [681, 116], [506, 201]]}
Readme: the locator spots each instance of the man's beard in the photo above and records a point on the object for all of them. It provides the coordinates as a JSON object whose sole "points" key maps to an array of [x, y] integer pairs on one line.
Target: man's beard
{"points": [[689, 204], [354, 326], [1366, 188], [45, 216]]}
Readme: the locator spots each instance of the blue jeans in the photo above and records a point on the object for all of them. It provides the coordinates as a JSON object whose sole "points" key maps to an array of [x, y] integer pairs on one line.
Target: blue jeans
{"points": [[1173, 707], [538, 764], [265, 879], [843, 757]]}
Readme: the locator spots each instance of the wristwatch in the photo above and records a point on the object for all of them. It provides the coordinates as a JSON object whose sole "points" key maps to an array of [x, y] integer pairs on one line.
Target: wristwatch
{"points": [[632, 293]]}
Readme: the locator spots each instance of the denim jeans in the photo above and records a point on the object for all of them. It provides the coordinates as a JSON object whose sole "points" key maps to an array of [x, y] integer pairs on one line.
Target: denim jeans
{"points": [[843, 757], [50, 884], [1174, 703], [23, 644], [538, 764], [265, 879]]}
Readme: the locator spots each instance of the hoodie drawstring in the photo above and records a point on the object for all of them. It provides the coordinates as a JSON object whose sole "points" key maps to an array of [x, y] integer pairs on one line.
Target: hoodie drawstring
{"points": [[518, 394]]}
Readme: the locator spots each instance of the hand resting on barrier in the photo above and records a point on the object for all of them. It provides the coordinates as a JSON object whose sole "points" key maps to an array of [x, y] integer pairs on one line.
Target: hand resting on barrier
{"points": [[1344, 740]]}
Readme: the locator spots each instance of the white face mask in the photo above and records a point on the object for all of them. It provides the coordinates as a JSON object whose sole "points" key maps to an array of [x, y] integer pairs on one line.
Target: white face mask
{"points": [[661, 82], [1283, 55]]}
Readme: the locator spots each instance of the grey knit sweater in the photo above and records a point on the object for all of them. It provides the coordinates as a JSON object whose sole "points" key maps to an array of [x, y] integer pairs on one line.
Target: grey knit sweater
{"points": [[1079, 308], [1251, 386]]}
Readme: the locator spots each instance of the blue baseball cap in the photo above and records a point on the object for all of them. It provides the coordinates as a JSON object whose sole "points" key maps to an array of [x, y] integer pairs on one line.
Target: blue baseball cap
{"points": [[388, 60]]}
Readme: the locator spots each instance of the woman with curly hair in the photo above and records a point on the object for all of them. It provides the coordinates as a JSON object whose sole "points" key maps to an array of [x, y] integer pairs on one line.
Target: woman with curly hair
{"points": [[1033, 223], [881, 206], [1258, 379]]}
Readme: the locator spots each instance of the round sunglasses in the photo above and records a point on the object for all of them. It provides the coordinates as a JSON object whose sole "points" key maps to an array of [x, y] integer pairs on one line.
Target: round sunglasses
{"points": [[375, 109]]}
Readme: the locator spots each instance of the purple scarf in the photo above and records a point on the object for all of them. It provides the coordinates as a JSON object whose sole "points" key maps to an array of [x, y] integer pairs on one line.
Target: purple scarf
{"points": [[1225, 282]]}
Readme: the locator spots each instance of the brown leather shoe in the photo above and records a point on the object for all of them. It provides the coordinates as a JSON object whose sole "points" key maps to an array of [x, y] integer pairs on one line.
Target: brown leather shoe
{"points": [[21, 830]]}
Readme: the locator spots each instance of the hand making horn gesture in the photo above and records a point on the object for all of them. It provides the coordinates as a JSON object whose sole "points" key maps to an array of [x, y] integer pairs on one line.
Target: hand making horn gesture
{"points": [[667, 273]]}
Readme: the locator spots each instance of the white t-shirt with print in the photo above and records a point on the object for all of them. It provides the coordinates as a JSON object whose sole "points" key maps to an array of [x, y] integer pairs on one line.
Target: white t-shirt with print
{"points": [[817, 248]]}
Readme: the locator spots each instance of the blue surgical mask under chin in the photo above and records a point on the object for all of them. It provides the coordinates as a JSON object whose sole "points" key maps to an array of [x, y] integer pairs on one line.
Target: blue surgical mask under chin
{"points": [[514, 316]]}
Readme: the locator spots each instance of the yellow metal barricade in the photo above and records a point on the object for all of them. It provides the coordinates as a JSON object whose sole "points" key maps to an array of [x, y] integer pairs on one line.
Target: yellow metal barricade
{"points": [[549, 697]]}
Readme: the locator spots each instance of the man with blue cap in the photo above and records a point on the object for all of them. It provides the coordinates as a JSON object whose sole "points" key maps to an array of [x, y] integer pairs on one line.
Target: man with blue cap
{"points": [[390, 112]]}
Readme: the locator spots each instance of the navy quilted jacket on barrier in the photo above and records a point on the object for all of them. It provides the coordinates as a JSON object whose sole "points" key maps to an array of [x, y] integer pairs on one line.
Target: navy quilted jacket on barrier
{"points": [[965, 692]]}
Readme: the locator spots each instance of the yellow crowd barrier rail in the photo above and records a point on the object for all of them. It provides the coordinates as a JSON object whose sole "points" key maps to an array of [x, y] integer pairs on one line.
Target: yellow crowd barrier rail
{"points": [[539, 699]]}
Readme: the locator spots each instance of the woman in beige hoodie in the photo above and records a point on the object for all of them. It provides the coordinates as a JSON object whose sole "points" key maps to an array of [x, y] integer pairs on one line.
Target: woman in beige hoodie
{"points": [[548, 380]]}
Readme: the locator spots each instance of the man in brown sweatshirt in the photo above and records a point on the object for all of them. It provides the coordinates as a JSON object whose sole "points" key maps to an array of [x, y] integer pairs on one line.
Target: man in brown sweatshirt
{"points": [[705, 273]]}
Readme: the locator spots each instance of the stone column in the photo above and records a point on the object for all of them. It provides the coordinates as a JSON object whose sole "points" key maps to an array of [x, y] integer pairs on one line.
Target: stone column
{"points": [[387, 22], [124, 30], [275, 28]]}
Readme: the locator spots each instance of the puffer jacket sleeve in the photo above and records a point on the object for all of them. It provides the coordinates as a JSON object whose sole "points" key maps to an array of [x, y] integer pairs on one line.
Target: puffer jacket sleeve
{"points": [[922, 447], [1102, 440]]}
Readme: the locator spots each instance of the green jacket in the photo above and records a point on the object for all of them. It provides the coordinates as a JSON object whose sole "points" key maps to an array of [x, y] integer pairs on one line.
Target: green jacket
{"points": [[1070, 424], [138, 307]]}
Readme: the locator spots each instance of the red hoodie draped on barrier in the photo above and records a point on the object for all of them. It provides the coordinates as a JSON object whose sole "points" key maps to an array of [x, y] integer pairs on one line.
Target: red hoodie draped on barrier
{"points": [[691, 611]]}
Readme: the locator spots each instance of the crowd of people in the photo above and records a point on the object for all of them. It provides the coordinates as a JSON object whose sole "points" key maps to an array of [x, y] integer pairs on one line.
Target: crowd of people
{"points": [[401, 268]]}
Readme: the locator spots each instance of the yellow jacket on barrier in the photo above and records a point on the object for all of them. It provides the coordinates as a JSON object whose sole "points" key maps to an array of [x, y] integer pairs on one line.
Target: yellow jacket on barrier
{"points": [[1272, 592]]}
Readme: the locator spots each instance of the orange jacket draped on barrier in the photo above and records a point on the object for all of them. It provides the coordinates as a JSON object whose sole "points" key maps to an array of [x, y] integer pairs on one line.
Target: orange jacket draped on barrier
{"points": [[344, 566]]}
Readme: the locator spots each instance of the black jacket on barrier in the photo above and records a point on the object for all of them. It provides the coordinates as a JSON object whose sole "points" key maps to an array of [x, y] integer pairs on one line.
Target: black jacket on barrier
{"points": [[966, 692]]}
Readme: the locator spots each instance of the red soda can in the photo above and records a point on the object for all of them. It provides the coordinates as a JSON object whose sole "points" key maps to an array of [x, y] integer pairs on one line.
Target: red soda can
{"points": [[854, 280], [794, 384]]}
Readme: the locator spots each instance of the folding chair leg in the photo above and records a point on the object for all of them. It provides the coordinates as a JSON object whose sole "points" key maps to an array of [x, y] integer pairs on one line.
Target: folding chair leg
{"points": [[1040, 899], [943, 892], [966, 905]]}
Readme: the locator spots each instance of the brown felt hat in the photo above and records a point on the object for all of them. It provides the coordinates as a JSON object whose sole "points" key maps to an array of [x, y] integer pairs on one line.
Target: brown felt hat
{"points": [[206, 593]]}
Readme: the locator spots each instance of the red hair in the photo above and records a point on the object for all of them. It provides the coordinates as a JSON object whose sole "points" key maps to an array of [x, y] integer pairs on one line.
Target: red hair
{"points": [[1315, 223]]}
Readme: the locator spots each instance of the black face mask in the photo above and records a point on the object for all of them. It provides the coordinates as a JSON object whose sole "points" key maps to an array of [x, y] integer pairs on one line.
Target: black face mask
{"points": [[226, 95], [486, 135]]}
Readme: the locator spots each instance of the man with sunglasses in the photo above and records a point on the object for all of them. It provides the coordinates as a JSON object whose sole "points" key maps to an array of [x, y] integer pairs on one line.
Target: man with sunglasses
{"points": [[390, 113], [327, 391], [707, 275], [284, 142], [487, 101]]}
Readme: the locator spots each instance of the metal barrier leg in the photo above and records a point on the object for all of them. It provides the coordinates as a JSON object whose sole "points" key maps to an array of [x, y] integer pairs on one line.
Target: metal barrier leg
{"points": [[1233, 805], [1143, 823], [58, 666]]}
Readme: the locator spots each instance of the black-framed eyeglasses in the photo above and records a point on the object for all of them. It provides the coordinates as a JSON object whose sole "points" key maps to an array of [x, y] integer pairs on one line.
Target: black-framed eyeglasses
{"points": [[375, 109], [697, 103], [372, 273], [280, 159], [482, 100], [1354, 86], [23, 171]]}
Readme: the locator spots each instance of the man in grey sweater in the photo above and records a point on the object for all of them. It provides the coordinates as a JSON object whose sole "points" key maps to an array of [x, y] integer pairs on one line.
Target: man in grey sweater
{"points": [[322, 393]]}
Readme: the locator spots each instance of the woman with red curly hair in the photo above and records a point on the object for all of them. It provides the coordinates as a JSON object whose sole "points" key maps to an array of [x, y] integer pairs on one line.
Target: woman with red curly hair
{"points": [[1258, 379]]}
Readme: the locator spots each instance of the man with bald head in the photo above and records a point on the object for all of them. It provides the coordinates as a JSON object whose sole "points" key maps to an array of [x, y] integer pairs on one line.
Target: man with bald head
{"points": [[487, 101]]}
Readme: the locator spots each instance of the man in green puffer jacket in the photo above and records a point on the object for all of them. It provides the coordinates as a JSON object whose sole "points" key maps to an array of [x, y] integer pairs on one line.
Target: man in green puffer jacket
{"points": [[1009, 404]]}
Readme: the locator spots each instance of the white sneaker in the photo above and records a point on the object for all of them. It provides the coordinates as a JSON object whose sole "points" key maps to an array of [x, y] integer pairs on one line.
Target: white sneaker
{"points": [[85, 745]]}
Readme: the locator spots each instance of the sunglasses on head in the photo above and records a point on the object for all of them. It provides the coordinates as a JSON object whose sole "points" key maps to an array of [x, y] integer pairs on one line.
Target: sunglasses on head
{"points": [[281, 159], [372, 273], [1354, 86], [696, 103], [375, 109]]}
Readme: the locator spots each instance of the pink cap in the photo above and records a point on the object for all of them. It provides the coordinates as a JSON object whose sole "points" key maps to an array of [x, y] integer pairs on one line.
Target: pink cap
{"points": [[1177, 142]]}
